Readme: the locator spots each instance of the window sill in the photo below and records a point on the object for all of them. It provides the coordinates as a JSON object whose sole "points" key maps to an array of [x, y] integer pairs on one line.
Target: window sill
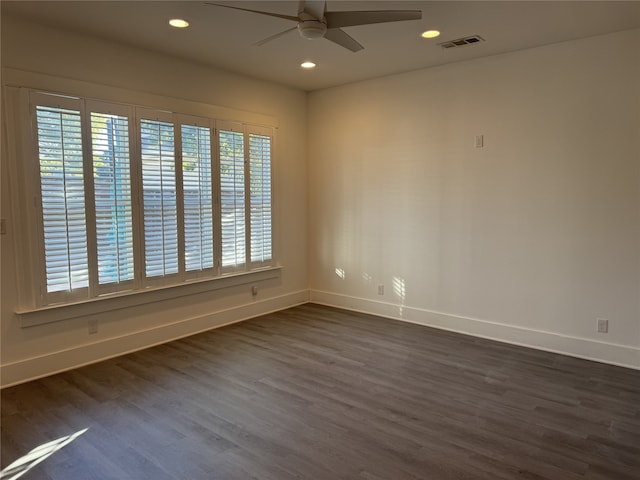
{"points": [[117, 301]]}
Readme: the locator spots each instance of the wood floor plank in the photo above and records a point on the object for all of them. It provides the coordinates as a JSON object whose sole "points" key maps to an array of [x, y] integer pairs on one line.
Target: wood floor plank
{"points": [[319, 393]]}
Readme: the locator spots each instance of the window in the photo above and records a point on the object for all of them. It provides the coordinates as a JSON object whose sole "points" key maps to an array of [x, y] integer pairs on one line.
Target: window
{"points": [[197, 188], [62, 198], [260, 195], [160, 198], [110, 154], [132, 198], [232, 198]]}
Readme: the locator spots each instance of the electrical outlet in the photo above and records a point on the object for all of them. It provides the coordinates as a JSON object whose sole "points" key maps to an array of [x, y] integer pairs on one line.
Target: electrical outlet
{"points": [[603, 325], [254, 290], [380, 289], [93, 327]]}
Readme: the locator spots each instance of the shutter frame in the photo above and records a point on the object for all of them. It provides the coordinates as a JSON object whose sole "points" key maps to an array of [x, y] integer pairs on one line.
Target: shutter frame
{"points": [[119, 245], [159, 196], [261, 206], [199, 192], [59, 147], [231, 147]]}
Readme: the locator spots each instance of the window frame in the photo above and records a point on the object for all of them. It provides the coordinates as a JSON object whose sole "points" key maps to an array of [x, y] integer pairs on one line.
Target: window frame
{"points": [[148, 114], [95, 106], [238, 128], [263, 132], [40, 299], [197, 121], [44, 297]]}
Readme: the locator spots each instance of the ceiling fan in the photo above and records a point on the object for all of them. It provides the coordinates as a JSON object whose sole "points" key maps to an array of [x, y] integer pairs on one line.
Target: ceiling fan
{"points": [[314, 21]]}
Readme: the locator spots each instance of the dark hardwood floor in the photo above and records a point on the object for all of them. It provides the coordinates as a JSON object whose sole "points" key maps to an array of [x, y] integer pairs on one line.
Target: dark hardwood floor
{"points": [[319, 393]]}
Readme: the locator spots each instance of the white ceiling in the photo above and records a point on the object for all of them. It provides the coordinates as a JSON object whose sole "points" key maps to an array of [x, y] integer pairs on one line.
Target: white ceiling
{"points": [[223, 38]]}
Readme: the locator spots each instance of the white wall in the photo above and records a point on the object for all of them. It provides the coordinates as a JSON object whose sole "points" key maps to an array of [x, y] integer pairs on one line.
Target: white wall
{"points": [[69, 58], [528, 239]]}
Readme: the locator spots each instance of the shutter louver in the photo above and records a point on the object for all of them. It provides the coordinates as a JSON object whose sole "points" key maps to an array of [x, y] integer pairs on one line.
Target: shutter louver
{"points": [[232, 198], [112, 191], [260, 195], [198, 197], [62, 198], [159, 197]]}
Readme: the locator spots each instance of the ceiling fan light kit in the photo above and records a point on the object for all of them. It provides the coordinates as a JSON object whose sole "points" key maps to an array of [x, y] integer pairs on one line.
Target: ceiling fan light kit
{"points": [[328, 25], [311, 29]]}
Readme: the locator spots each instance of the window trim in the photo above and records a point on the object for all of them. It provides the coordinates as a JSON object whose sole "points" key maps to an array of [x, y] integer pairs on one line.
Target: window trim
{"points": [[31, 317], [18, 107]]}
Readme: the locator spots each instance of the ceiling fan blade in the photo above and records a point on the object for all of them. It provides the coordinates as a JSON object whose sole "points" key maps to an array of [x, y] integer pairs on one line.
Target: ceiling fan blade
{"points": [[341, 38], [349, 19], [277, 15], [315, 8], [273, 37]]}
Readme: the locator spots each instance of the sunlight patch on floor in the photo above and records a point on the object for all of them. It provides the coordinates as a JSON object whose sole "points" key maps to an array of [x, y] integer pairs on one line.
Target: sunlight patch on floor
{"points": [[37, 455]]}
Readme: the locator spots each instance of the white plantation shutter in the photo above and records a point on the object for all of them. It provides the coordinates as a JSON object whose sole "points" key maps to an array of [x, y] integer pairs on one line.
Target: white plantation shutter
{"points": [[132, 197], [159, 197], [232, 198], [113, 199], [260, 197], [197, 190], [59, 142]]}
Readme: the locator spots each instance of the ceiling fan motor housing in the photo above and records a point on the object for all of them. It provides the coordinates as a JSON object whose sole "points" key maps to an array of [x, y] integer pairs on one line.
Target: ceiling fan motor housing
{"points": [[311, 29]]}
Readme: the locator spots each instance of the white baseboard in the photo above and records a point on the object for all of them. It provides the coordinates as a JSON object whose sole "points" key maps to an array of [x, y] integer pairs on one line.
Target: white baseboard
{"points": [[55, 362], [611, 353]]}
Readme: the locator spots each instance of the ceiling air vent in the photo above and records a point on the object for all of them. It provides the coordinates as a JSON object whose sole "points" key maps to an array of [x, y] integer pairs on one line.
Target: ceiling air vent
{"points": [[461, 42]]}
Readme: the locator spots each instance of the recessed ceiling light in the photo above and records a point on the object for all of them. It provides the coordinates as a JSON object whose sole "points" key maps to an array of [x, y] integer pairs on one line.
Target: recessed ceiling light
{"points": [[308, 65], [430, 34], [178, 23]]}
